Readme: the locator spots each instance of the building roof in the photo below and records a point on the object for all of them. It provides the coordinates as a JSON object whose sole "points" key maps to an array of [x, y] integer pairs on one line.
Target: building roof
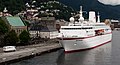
{"points": [[47, 18], [42, 29], [15, 21], [46, 29], [115, 21]]}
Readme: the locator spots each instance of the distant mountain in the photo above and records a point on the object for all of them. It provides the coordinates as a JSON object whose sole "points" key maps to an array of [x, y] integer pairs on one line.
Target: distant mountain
{"points": [[106, 11]]}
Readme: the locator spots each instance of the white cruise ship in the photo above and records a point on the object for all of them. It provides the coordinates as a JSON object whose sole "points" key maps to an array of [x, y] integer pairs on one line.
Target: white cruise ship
{"points": [[82, 35]]}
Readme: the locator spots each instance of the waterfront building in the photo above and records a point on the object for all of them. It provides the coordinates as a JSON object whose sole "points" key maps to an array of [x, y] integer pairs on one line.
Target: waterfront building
{"points": [[48, 21], [50, 24], [116, 23], [43, 32], [15, 23], [45, 28], [35, 31]]}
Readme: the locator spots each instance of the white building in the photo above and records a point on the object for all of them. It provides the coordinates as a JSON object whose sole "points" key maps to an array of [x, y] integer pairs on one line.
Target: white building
{"points": [[43, 32]]}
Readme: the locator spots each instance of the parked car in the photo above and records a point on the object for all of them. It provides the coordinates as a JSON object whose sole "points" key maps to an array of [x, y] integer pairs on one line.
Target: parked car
{"points": [[9, 48]]}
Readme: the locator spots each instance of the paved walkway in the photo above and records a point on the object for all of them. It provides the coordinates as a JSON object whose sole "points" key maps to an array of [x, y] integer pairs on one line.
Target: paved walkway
{"points": [[27, 51]]}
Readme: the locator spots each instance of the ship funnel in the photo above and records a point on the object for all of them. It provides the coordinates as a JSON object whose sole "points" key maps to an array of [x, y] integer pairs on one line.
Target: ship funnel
{"points": [[92, 17]]}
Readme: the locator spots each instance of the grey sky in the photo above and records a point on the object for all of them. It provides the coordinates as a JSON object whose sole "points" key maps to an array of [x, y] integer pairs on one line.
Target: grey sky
{"points": [[110, 2]]}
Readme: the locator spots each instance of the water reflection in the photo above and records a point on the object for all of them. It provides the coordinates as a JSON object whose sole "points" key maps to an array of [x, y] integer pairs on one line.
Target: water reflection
{"points": [[98, 56], [45, 59]]}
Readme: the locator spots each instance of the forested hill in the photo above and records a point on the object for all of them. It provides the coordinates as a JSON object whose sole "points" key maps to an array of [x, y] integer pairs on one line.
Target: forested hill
{"points": [[15, 6], [106, 11], [49, 7]]}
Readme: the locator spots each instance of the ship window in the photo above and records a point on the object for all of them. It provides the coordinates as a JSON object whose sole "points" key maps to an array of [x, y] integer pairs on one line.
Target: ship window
{"points": [[106, 29], [87, 28], [76, 28], [100, 25], [70, 28]]}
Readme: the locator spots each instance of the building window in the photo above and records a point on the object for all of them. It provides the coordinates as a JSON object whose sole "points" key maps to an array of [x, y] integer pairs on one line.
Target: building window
{"points": [[19, 31]]}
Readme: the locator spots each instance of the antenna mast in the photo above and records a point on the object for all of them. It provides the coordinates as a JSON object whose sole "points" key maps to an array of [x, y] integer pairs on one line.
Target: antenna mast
{"points": [[98, 18]]}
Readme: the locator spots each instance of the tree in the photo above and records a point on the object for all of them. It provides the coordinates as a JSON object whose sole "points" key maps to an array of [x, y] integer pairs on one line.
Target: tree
{"points": [[11, 38], [3, 30], [24, 37], [3, 27]]}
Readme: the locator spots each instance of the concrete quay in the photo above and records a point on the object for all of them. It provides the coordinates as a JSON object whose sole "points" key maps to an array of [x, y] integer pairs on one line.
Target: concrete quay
{"points": [[29, 51]]}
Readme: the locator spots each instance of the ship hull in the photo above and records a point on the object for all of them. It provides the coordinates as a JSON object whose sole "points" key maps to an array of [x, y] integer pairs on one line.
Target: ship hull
{"points": [[84, 43]]}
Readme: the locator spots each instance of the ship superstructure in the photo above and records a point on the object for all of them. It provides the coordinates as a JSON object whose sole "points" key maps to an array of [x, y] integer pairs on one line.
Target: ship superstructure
{"points": [[81, 34]]}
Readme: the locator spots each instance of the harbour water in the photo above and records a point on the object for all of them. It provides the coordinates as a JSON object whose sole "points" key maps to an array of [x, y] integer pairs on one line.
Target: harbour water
{"points": [[108, 54]]}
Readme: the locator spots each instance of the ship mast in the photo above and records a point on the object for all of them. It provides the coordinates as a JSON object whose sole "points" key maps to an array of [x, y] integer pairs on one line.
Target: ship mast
{"points": [[81, 19], [98, 18], [81, 11]]}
